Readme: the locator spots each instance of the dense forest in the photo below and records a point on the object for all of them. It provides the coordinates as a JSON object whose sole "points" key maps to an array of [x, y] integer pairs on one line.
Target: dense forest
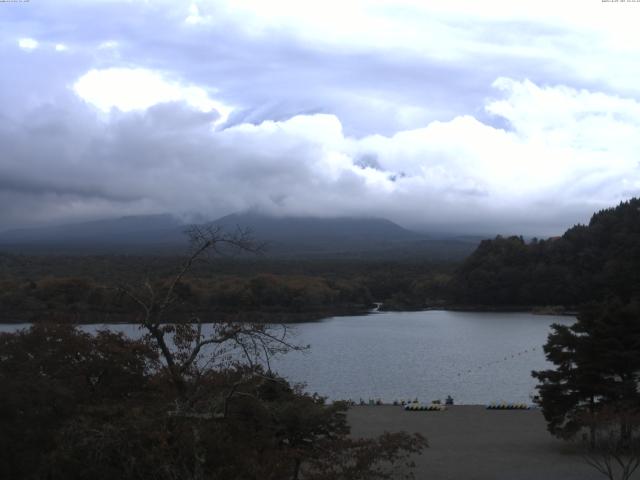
{"points": [[88, 288], [588, 262]]}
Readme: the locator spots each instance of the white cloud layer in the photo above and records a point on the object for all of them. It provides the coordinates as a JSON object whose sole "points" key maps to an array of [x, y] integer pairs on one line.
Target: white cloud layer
{"points": [[138, 89], [28, 43], [565, 151]]}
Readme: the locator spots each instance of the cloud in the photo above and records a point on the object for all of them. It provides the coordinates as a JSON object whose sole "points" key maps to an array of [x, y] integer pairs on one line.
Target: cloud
{"points": [[28, 43], [452, 114], [138, 89], [565, 150], [381, 67]]}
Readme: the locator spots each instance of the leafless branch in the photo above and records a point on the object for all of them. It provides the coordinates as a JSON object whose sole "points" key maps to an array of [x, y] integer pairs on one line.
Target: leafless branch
{"points": [[182, 344], [615, 448]]}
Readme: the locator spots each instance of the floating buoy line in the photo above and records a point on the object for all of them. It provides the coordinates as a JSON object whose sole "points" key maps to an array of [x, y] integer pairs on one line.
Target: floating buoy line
{"points": [[438, 407], [497, 362]]}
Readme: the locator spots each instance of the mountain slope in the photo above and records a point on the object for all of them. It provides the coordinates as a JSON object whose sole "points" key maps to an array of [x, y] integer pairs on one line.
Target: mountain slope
{"points": [[142, 230], [283, 236], [348, 237], [320, 234]]}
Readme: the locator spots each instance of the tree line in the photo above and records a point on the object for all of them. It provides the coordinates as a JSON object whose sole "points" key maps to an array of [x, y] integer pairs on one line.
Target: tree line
{"points": [[592, 394], [594, 261], [34, 288]]}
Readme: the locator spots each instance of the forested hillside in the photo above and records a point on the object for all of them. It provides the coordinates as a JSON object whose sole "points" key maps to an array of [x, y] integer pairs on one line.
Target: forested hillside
{"points": [[589, 262], [88, 288]]}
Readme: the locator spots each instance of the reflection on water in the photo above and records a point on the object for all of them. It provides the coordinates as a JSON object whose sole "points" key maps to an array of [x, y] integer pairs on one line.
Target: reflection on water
{"points": [[474, 357]]}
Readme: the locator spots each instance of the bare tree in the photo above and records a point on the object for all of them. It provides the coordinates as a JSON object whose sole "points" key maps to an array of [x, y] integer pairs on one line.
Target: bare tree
{"points": [[614, 446], [182, 341], [221, 375], [191, 348]]}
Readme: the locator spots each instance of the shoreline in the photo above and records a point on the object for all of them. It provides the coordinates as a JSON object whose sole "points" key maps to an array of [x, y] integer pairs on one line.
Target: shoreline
{"points": [[305, 317], [532, 309], [248, 316]]}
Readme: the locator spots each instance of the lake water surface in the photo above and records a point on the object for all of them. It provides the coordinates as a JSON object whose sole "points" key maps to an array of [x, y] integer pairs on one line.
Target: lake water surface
{"points": [[477, 358]]}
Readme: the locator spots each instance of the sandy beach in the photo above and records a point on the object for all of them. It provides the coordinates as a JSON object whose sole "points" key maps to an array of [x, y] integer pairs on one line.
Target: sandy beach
{"points": [[472, 443]]}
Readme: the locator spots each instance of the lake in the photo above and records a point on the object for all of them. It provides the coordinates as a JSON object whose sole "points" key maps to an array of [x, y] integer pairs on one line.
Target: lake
{"points": [[477, 358]]}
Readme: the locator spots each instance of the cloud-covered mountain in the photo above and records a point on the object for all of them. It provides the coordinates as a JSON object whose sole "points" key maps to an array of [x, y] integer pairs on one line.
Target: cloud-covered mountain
{"points": [[282, 237], [475, 117], [285, 234]]}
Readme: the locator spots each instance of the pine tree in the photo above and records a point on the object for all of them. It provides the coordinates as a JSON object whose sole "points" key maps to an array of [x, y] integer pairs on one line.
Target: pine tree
{"points": [[597, 365]]}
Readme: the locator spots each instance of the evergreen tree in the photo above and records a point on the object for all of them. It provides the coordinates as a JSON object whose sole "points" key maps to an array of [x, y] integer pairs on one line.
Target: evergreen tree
{"points": [[571, 390], [597, 365]]}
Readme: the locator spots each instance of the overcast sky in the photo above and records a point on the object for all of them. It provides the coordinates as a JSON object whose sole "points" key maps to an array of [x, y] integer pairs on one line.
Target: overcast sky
{"points": [[479, 117]]}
